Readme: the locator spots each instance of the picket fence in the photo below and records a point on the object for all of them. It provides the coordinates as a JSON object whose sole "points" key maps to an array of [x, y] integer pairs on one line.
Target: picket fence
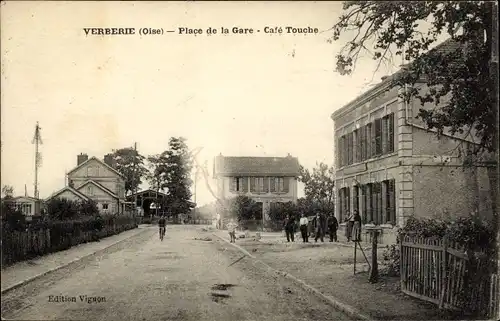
{"points": [[21, 245], [447, 274]]}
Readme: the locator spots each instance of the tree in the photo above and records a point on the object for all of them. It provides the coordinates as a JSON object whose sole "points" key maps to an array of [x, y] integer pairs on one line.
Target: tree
{"points": [[279, 212], [130, 164], [244, 208], [7, 191], [319, 185], [174, 168], [462, 75], [154, 175]]}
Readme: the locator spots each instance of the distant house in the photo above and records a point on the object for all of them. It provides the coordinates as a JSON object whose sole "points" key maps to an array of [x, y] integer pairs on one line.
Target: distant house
{"points": [[96, 180], [29, 206], [266, 180]]}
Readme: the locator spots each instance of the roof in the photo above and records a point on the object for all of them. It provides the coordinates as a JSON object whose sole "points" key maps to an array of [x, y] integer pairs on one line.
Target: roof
{"points": [[99, 186], [256, 166], [14, 199], [147, 191], [446, 47], [101, 162], [67, 188]]}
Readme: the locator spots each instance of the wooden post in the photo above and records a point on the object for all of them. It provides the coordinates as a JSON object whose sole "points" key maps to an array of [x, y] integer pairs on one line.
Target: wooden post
{"points": [[444, 275], [355, 247], [374, 269]]}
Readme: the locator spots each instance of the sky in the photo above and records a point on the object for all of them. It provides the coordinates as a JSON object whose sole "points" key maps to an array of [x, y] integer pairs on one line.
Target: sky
{"points": [[240, 95]]}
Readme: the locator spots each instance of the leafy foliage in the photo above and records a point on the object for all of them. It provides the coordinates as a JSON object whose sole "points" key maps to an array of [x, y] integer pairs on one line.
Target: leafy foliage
{"points": [[63, 209], [173, 172], [319, 185], [13, 217], [244, 208], [279, 212], [392, 256], [130, 163], [461, 76], [7, 191]]}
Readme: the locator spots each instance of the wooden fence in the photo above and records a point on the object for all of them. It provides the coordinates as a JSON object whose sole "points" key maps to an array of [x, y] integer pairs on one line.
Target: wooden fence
{"points": [[447, 274], [19, 245]]}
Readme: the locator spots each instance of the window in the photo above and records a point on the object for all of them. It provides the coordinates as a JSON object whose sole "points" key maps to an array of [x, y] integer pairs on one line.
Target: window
{"points": [[90, 171], [362, 143], [344, 204], [90, 191], [350, 148], [238, 184], [357, 146], [355, 199], [257, 185], [377, 203], [344, 151], [378, 137], [390, 133], [390, 210], [105, 206], [279, 185]]}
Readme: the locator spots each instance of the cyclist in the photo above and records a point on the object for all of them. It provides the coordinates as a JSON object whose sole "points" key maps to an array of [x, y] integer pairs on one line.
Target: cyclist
{"points": [[162, 224]]}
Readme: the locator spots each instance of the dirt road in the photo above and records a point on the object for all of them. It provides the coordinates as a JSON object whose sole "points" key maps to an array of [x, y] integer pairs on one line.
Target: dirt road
{"points": [[185, 277]]}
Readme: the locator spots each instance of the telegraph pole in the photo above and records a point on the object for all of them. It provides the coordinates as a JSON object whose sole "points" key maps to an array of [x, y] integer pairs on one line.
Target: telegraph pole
{"points": [[195, 179], [37, 140], [135, 179]]}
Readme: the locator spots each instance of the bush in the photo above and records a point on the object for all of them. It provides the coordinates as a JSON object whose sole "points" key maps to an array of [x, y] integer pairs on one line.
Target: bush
{"points": [[279, 211], [63, 209], [244, 208], [12, 217], [470, 232]]}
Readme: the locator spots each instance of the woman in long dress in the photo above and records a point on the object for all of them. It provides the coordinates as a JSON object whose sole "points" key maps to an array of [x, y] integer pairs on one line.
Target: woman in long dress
{"points": [[356, 228]]}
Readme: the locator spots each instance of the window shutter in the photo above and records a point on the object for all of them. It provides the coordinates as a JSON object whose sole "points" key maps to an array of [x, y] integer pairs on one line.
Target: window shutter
{"points": [[286, 183], [253, 183], [266, 184], [373, 134], [244, 181], [233, 184], [385, 135], [368, 140], [337, 151], [273, 185]]}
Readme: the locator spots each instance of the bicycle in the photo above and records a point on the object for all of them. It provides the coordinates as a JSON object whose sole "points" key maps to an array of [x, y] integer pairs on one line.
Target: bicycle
{"points": [[162, 233]]}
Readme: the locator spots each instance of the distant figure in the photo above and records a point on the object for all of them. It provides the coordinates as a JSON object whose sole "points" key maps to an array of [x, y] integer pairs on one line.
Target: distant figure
{"points": [[319, 227], [356, 227], [289, 225], [304, 224], [231, 228], [333, 225], [162, 224], [217, 223]]}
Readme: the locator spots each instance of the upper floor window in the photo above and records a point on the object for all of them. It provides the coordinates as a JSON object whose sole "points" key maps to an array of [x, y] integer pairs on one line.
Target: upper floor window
{"points": [[278, 185], [238, 184], [90, 190], [258, 185], [90, 171], [105, 206]]}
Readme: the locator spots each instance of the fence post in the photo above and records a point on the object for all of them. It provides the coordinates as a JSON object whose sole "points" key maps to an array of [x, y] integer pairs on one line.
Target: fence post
{"points": [[444, 269], [374, 269], [402, 258]]}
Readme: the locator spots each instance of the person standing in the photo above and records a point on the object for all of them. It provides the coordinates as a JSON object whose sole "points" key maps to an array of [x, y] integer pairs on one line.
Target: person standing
{"points": [[289, 226], [231, 228], [304, 224], [333, 225], [356, 227], [350, 224], [319, 227]]}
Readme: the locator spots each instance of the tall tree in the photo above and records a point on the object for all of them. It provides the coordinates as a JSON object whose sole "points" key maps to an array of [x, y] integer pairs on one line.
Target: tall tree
{"points": [[319, 185], [7, 191], [130, 163], [154, 175], [385, 28], [175, 171]]}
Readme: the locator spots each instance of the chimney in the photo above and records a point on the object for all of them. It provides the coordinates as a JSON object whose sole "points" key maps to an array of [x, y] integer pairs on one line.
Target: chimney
{"points": [[108, 159], [82, 158]]}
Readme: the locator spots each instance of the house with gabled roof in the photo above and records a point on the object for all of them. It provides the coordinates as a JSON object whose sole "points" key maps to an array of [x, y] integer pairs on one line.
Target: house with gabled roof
{"points": [[97, 180], [266, 180]]}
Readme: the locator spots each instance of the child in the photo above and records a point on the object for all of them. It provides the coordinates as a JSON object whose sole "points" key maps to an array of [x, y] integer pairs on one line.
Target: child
{"points": [[231, 228]]}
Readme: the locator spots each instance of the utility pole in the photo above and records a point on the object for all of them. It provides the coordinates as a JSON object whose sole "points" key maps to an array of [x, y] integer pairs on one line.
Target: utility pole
{"points": [[37, 140], [195, 179], [135, 181]]}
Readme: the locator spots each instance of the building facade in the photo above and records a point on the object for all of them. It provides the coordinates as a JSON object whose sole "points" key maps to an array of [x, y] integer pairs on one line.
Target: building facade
{"points": [[29, 206], [93, 179], [266, 180], [389, 166]]}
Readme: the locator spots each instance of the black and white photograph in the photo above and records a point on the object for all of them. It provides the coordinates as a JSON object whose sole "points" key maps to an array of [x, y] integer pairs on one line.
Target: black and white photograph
{"points": [[249, 160]]}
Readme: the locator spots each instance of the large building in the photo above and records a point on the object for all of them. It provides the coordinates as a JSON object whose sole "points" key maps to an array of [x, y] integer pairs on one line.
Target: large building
{"points": [[93, 179], [389, 166], [267, 180]]}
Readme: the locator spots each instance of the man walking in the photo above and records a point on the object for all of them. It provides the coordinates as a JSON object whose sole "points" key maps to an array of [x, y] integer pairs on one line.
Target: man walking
{"points": [[319, 227], [304, 224], [333, 225], [289, 226]]}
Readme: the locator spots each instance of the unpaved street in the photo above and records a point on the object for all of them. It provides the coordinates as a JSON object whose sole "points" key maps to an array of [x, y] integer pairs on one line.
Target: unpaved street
{"points": [[185, 277]]}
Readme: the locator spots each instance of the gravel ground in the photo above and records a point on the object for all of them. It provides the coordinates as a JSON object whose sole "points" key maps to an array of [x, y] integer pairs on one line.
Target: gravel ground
{"points": [[188, 276], [329, 268]]}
